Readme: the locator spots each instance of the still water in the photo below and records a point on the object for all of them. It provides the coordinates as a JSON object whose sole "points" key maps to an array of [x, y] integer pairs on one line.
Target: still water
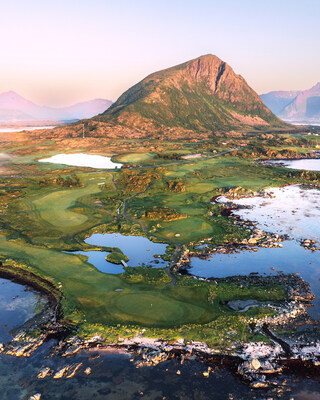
{"points": [[306, 164], [292, 211], [140, 250], [82, 160]]}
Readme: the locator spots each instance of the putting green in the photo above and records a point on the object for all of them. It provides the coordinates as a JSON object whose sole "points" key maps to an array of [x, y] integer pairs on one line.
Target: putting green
{"points": [[157, 309]]}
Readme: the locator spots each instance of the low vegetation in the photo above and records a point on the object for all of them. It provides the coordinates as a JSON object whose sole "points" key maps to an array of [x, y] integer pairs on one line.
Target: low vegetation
{"points": [[46, 213]]}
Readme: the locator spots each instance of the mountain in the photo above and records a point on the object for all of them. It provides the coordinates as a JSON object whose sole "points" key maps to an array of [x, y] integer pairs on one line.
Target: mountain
{"points": [[305, 107], [202, 95], [278, 100], [88, 109], [14, 108]]}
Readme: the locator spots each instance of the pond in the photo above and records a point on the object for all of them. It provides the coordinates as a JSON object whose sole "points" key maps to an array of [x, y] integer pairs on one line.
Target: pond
{"points": [[82, 160], [306, 164], [140, 250]]}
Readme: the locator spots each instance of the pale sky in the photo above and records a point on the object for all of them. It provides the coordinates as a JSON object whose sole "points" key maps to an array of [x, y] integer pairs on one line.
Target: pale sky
{"points": [[57, 52]]}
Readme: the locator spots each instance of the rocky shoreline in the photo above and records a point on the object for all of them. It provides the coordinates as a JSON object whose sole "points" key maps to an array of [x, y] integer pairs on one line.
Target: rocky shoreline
{"points": [[259, 364], [255, 363], [47, 321]]}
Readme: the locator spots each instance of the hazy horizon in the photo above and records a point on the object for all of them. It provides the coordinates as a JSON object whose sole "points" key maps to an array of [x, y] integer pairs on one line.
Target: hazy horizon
{"points": [[61, 53]]}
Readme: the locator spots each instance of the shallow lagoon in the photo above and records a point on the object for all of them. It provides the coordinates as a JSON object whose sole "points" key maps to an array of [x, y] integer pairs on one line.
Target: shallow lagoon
{"points": [[306, 164], [292, 258], [82, 160], [292, 211]]}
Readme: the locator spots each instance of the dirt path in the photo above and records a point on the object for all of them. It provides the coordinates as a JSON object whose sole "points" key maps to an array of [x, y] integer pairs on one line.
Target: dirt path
{"points": [[113, 182], [124, 214]]}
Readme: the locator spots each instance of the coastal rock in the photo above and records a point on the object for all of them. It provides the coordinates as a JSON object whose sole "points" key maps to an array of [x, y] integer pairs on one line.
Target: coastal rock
{"points": [[71, 350], [72, 370], [60, 373], [255, 364], [35, 397], [43, 373], [259, 385]]}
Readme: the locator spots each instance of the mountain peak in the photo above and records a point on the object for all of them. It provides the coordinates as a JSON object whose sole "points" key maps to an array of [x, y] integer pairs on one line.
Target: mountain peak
{"points": [[15, 108], [11, 94], [305, 107], [203, 94], [316, 86]]}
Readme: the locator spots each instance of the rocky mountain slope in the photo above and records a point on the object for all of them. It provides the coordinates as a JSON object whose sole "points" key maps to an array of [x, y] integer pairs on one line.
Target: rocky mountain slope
{"points": [[14, 108], [201, 95]]}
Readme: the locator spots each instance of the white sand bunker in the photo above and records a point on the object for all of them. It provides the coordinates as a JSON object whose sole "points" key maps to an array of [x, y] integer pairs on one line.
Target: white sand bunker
{"points": [[83, 160], [292, 210]]}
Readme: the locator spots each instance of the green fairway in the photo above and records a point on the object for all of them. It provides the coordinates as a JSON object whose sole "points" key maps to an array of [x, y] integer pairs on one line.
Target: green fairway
{"points": [[56, 208], [134, 158], [42, 216]]}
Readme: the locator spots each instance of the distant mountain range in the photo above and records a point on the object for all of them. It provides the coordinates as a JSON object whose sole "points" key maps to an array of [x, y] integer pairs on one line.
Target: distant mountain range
{"points": [[295, 106], [277, 101], [14, 108], [201, 95]]}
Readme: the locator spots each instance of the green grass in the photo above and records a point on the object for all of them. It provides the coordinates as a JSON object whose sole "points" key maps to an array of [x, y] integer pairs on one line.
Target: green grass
{"points": [[39, 223], [134, 158]]}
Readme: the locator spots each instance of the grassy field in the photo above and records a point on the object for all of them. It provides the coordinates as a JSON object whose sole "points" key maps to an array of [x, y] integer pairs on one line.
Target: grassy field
{"points": [[39, 222]]}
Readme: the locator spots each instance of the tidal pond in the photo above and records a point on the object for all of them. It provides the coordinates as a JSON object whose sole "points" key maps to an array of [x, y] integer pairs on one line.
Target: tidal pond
{"points": [[290, 210], [306, 164]]}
